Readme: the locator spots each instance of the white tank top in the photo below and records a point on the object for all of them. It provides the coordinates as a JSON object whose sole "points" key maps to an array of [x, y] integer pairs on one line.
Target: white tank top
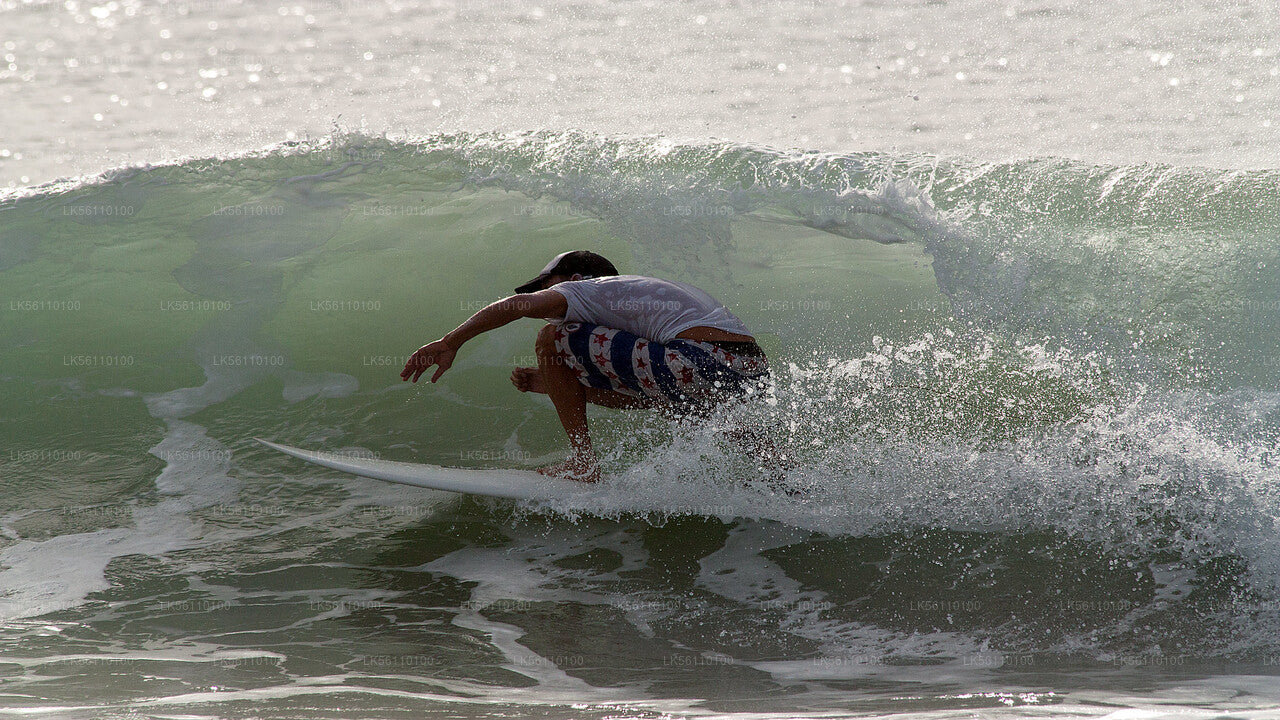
{"points": [[649, 307]]}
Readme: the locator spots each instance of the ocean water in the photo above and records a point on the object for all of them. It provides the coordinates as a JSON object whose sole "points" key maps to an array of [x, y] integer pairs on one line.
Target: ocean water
{"points": [[1014, 265]]}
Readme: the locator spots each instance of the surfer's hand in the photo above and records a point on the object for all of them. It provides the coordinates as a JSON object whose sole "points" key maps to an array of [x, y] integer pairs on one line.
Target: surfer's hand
{"points": [[437, 353]]}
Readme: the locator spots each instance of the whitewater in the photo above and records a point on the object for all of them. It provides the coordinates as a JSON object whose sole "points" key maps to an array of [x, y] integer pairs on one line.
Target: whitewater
{"points": [[1013, 266]]}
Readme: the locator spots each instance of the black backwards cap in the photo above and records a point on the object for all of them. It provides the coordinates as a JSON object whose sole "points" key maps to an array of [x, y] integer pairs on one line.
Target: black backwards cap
{"points": [[575, 262]]}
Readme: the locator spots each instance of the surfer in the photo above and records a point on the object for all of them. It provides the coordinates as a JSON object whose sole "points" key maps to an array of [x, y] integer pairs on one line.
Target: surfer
{"points": [[619, 341]]}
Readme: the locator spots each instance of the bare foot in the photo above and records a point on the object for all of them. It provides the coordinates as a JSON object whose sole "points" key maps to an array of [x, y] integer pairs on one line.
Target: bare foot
{"points": [[577, 467], [528, 379]]}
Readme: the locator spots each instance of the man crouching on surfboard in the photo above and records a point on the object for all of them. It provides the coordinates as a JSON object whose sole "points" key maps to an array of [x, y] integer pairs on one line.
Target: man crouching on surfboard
{"points": [[620, 341]]}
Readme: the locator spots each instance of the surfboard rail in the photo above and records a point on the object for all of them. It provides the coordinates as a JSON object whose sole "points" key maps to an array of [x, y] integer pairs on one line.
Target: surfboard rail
{"points": [[498, 482]]}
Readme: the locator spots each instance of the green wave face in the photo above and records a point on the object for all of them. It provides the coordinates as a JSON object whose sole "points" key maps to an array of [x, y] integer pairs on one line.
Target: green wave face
{"points": [[315, 270], [1075, 352]]}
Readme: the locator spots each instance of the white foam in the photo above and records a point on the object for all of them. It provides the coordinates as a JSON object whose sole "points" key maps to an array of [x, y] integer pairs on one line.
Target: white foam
{"points": [[525, 573], [42, 576]]}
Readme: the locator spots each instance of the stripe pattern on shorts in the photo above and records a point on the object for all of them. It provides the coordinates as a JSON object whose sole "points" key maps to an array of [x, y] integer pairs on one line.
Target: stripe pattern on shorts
{"points": [[681, 371]]}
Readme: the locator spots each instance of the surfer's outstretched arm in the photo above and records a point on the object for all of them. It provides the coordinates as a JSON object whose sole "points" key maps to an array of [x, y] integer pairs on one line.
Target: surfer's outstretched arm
{"points": [[544, 304]]}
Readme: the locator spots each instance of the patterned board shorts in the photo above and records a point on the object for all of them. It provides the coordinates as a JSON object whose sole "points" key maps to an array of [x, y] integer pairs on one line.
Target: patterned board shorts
{"points": [[684, 372]]}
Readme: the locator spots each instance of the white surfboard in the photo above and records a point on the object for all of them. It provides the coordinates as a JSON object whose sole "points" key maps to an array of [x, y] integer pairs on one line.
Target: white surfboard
{"points": [[513, 484]]}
